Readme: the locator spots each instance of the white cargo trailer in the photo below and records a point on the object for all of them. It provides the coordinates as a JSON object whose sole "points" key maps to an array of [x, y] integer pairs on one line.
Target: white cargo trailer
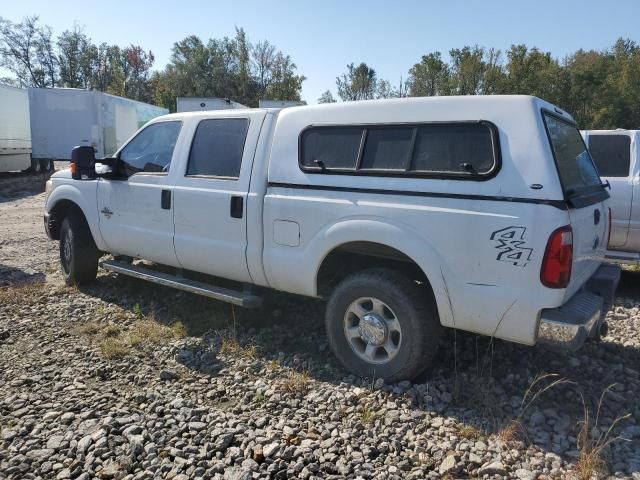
{"points": [[62, 118], [15, 133], [197, 104]]}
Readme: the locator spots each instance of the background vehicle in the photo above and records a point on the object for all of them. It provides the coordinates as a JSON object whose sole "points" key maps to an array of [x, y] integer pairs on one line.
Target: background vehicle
{"points": [[407, 215], [62, 118], [15, 132], [615, 153], [197, 104]]}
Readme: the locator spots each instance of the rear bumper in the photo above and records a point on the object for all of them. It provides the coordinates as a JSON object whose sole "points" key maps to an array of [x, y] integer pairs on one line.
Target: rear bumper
{"points": [[568, 326]]}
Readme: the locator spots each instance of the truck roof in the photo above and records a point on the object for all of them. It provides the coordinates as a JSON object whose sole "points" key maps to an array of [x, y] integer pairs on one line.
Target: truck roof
{"points": [[473, 104]]}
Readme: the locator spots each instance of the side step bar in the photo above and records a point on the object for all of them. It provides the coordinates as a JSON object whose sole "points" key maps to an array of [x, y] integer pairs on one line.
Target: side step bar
{"points": [[235, 297]]}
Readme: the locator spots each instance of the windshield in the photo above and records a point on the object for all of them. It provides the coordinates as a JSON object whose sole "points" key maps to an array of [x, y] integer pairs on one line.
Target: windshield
{"points": [[575, 166]]}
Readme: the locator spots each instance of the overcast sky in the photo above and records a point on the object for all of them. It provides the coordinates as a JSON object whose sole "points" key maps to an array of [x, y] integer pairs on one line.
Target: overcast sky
{"points": [[323, 36]]}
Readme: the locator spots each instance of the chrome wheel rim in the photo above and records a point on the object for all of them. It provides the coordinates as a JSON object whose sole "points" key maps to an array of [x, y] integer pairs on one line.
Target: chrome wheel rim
{"points": [[372, 330]]}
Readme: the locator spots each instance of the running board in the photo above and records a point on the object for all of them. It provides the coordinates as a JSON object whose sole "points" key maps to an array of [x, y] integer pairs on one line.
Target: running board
{"points": [[235, 297]]}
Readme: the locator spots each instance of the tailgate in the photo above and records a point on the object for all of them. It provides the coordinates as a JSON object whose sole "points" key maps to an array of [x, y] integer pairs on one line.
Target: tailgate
{"points": [[589, 226], [585, 196]]}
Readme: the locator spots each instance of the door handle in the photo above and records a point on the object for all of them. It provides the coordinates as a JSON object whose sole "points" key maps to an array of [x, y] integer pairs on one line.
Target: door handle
{"points": [[237, 206], [165, 199]]}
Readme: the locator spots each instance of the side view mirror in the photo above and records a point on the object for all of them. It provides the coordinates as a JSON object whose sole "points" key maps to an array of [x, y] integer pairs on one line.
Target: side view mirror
{"points": [[83, 160]]}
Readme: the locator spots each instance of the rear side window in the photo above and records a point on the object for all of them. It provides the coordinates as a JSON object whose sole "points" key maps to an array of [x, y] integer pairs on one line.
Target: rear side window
{"points": [[575, 167], [217, 147], [454, 148], [331, 148], [611, 154], [459, 150]]}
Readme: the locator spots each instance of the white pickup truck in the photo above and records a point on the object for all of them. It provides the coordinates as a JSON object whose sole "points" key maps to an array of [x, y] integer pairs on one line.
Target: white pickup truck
{"points": [[484, 214], [615, 153]]}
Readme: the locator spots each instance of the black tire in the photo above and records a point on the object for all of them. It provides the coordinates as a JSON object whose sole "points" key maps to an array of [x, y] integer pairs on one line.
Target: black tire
{"points": [[46, 165], [36, 166], [78, 252], [412, 305]]}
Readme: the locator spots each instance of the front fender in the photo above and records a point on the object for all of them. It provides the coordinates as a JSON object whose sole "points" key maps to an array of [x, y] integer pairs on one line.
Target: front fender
{"points": [[83, 193]]}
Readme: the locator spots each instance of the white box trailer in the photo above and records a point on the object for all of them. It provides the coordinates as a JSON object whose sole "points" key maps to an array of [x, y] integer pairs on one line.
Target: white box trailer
{"points": [[62, 118], [280, 103], [15, 133], [197, 104]]}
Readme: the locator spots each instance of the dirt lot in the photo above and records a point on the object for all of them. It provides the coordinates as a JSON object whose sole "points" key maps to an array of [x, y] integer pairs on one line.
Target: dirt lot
{"points": [[127, 380]]}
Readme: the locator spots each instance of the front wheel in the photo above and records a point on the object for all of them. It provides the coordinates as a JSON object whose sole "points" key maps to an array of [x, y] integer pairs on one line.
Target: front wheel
{"points": [[78, 252], [381, 324]]}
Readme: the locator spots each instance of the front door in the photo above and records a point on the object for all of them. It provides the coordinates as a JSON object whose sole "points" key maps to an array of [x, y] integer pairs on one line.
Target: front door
{"points": [[210, 213], [136, 210]]}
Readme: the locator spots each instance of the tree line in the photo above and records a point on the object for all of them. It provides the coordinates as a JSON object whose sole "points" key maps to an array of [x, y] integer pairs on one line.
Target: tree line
{"points": [[601, 89], [228, 67]]}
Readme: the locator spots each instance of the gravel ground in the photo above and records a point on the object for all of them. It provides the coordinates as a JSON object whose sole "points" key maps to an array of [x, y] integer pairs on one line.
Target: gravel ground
{"points": [[125, 380]]}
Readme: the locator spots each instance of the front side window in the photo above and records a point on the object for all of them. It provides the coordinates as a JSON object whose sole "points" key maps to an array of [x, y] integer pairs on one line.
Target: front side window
{"points": [[575, 167], [151, 150], [217, 147], [611, 154], [456, 150]]}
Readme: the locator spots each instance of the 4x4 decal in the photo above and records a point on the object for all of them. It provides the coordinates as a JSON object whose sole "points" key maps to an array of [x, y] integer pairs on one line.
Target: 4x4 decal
{"points": [[510, 243]]}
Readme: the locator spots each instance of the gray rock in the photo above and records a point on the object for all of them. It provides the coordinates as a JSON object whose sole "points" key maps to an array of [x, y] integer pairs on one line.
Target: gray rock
{"points": [[493, 468], [168, 375], [222, 442], [447, 465]]}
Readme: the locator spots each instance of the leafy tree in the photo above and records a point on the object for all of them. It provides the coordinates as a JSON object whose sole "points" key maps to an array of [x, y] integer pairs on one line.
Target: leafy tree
{"points": [[76, 56], [26, 50], [359, 83], [429, 77], [136, 68], [327, 97]]}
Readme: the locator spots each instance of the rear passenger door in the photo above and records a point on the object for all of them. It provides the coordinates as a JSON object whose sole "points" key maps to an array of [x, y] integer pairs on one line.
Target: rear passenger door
{"points": [[211, 195], [612, 155]]}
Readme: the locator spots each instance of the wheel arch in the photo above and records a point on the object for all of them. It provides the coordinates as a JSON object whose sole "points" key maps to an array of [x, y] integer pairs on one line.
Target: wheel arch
{"points": [[396, 246], [65, 199]]}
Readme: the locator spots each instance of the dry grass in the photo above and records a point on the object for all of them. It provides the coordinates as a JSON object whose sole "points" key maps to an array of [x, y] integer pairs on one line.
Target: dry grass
{"points": [[368, 415], [512, 431], [114, 342], [149, 331], [114, 347], [469, 432], [26, 293], [296, 382], [591, 444], [231, 346]]}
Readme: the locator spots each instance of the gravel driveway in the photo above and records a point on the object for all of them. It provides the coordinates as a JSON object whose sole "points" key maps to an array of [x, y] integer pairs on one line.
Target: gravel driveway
{"points": [[125, 380]]}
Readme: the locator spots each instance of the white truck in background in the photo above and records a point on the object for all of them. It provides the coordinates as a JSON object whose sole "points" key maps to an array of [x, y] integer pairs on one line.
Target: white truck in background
{"points": [[15, 132], [616, 154], [62, 118], [481, 213]]}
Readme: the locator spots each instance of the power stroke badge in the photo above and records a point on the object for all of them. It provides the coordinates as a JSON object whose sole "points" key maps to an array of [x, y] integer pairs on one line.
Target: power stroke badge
{"points": [[510, 244]]}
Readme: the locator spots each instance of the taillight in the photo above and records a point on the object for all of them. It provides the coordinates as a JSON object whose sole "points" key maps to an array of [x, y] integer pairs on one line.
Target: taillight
{"points": [[609, 234], [556, 264]]}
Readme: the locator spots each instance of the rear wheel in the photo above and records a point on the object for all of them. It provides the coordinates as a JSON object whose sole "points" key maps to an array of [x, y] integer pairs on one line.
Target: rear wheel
{"points": [[381, 324], [46, 165], [78, 252], [36, 166]]}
